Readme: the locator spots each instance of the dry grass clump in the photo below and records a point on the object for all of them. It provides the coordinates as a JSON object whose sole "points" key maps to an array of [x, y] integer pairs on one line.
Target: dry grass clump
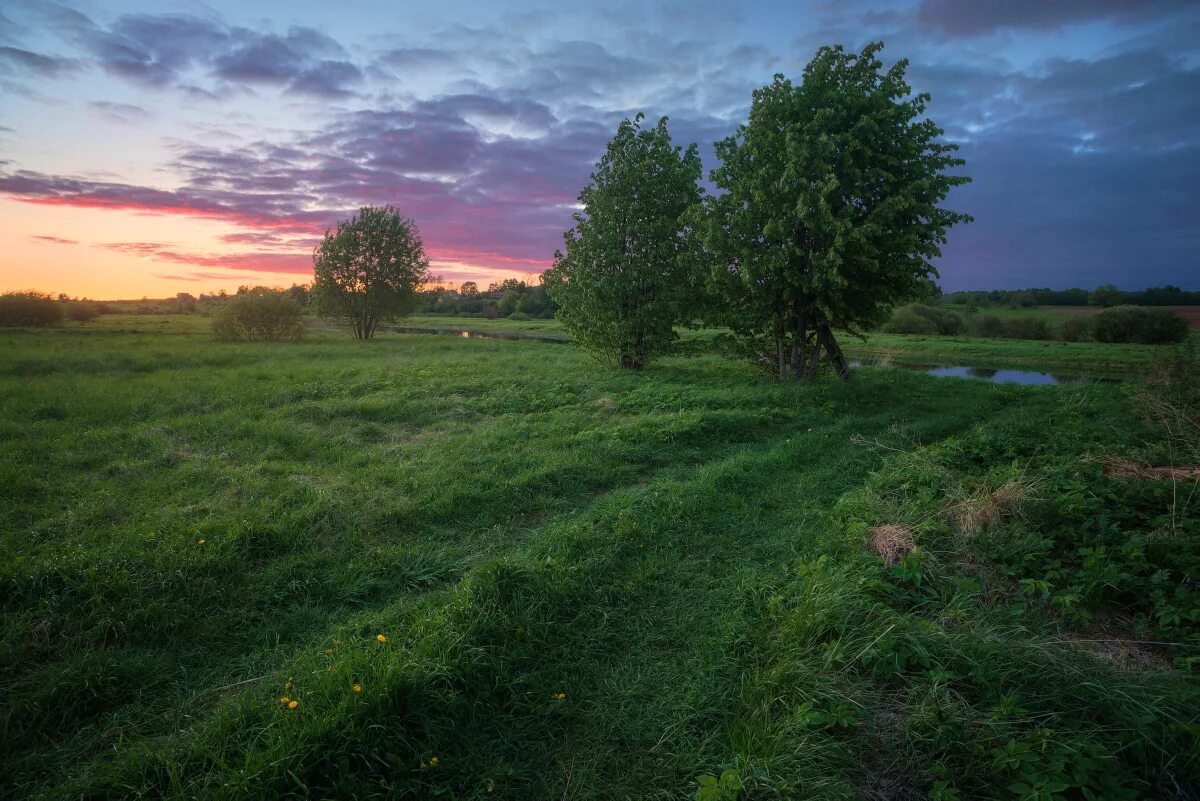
{"points": [[984, 506], [1119, 467], [891, 541]]}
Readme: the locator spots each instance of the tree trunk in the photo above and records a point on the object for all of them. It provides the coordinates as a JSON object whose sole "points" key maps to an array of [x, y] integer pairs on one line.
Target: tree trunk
{"points": [[835, 353], [781, 358], [799, 343]]}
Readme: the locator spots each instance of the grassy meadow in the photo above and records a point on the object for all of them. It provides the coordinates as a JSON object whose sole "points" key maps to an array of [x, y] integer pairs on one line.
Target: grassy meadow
{"points": [[1087, 358], [433, 567]]}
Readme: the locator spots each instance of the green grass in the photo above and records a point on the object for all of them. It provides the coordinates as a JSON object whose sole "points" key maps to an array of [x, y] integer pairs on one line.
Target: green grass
{"points": [[1049, 356], [680, 554]]}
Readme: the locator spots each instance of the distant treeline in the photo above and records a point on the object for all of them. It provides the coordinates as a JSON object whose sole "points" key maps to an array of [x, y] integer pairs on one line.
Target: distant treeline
{"points": [[510, 298], [1104, 296]]}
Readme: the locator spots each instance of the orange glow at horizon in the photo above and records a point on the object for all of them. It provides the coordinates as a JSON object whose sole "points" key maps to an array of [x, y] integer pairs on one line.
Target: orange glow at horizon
{"points": [[68, 249]]}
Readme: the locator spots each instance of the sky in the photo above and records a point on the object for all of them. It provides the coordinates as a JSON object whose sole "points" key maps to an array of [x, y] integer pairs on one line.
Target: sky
{"points": [[150, 148]]}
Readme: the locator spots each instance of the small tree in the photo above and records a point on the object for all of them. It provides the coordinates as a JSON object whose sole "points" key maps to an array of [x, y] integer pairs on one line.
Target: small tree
{"points": [[370, 269], [620, 285], [259, 314], [1105, 296], [829, 213]]}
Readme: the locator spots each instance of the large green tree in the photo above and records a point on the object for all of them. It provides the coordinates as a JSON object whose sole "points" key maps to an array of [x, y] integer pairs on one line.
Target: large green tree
{"points": [[620, 285], [370, 269], [828, 212]]}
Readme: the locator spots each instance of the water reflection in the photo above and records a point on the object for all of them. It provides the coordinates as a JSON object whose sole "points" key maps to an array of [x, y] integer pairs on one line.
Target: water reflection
{"points": [[1028, 377]]}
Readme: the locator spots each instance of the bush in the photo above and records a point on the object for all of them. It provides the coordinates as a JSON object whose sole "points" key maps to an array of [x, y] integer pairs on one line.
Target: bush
{"points": [[1076, 329], [917, 318], [1027, 328], [985, 325], [259, 315], [83, 311], [1140, 324], [906, 321], [29, 309], [519, 315]]}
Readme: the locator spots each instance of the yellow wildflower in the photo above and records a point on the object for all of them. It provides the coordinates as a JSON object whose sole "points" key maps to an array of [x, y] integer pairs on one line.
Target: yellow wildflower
{"points": [[293, 704], [283, 699], [560, 696], [200, 542], [432, 761], [358, 688], [380, 638]]}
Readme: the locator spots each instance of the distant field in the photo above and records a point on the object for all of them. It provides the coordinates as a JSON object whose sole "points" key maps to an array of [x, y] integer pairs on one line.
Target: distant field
{"points": [[1060, 313]]}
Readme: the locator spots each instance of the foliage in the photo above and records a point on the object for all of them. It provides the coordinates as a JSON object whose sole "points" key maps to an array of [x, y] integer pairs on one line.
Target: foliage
{"points": [[830, 210], [29, 309], [82, 311], [619, 282], [1105, 295], [370, 269], [917, 318], [1147, 326], [260, 314]]}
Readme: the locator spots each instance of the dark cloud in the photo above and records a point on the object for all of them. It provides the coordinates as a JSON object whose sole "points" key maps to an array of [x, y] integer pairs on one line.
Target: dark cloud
{"points": [[54, 240], [14, 59], [958, 18]]}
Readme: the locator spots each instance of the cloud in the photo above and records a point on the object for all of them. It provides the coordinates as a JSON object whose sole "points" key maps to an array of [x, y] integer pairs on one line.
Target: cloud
{"points": [[119, 112], [956, 18], [54, 240], [16, 60], [290, 263]]}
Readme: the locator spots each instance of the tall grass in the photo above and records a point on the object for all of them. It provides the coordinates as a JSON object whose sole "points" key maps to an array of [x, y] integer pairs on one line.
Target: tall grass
{"points": [[588, 584]]}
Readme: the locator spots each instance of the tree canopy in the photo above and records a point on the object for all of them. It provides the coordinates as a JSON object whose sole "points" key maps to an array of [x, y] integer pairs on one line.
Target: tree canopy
{"points": [[370, 269], [828, 211], [619, 283]]}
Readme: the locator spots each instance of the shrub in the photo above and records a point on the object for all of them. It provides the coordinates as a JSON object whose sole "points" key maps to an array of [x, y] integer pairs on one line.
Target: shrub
{"points": [[259, 315], [1076, 329], [1141, 324], [519, 315], [1027, 328], [985, 325], [29, 309], [905, 320], [917, 318], [83, 311]]}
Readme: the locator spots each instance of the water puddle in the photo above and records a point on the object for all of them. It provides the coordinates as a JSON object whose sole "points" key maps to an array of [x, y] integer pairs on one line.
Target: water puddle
{"points": [[1028, 377]]}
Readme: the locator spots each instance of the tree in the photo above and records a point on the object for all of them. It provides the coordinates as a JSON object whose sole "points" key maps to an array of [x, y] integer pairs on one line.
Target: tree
{"points": [[1106, 296], [469, 289], [620, 284], [829, 213], [370, 269]]}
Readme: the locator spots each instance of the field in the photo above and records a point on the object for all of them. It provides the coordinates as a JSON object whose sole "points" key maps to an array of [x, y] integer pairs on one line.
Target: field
{"points": [[1086, 358], [1056, 314], [428, 566]]}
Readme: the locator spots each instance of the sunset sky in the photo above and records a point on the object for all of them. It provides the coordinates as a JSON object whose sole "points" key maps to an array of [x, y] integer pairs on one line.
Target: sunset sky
{"points": [[148, 148]]}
